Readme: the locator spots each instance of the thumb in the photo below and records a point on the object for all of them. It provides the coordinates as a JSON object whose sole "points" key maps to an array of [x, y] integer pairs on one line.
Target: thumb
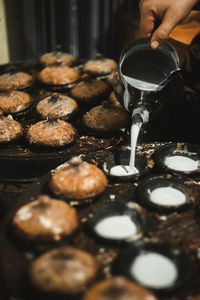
{"points": [[161, 34]]}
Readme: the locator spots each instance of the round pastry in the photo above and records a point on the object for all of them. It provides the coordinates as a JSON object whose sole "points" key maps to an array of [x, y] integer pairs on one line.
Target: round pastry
{"points": [[54, 133], [14, 101], [64, 270], [78, 180], [15, 81], [90, 91], [106, 118], [10, 129], [58, 75], [45, 219], [100, 66], [118, 288], [57, 56], [56, 106]]}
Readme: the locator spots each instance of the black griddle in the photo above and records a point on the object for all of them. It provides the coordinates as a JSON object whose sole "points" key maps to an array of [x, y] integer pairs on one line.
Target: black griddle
{"points": [[181, 229], [22, 162]]}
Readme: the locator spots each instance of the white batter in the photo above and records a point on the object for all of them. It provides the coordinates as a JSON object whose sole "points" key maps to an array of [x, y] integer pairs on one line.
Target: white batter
{"points": [[135, 129], [167, 196], [116, 227], [121, 170], [181, 163], [154, 270], [142, 85]]}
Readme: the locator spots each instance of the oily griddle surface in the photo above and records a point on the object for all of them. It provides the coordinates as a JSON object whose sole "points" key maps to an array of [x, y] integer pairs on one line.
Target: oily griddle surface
{"points": [[180, 229]]}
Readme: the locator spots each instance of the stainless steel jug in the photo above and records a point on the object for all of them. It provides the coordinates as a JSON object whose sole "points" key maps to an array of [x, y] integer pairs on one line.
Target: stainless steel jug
{"points": [[143, 73]]}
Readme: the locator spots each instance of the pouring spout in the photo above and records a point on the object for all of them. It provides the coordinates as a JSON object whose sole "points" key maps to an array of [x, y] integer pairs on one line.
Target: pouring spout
{"points": [[168, 78], [140, 115]]}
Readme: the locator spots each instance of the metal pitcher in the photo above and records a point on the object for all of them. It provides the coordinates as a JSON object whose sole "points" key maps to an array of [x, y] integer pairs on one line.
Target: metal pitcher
{"points": [[143, 73]]}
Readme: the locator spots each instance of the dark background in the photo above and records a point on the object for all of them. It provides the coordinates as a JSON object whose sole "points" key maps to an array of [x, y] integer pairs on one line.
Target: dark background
{"points": [[82, 27]]}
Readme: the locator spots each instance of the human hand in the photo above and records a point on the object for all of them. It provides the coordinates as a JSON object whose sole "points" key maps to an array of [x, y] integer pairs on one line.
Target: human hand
{"points": [[169, 12]]}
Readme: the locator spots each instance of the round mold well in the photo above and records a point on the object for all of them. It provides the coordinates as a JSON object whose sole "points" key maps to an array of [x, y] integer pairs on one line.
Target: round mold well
{"points": [[158, 266], [166, 193], [181, 158], [122, 158], [117, 223]]}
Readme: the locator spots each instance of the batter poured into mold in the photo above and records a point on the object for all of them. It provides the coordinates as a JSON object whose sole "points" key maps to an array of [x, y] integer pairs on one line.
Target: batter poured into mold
{"points": [[167, 196], [181, 163], [121, 170], [116, 227], [154, 270]]}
